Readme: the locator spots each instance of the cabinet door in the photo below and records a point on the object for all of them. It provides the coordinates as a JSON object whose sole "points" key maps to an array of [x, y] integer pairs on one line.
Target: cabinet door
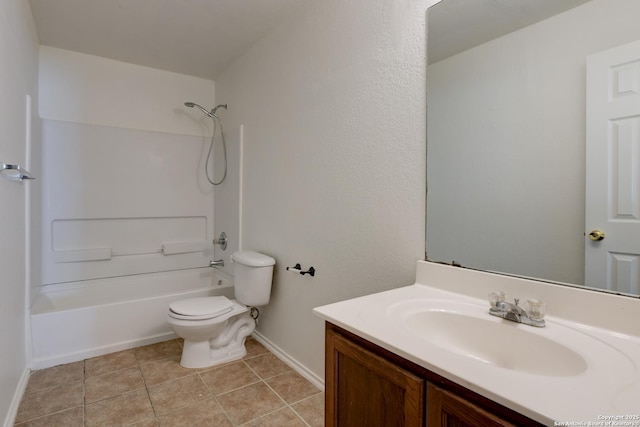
{"points": [[364, 389], [448, 410]]}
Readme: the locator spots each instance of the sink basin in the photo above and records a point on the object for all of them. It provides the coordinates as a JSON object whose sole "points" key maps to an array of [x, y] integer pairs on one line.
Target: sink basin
{"points": [[497, 342], [459, 332]]}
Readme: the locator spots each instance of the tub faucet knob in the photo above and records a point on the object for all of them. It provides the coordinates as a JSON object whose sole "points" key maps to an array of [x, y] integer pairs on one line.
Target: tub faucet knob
{"points": [[222, 241]]}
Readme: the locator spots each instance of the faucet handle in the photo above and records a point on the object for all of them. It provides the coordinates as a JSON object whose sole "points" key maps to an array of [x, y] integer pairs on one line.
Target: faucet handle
{"points": [[536, 309], [496, 298]]}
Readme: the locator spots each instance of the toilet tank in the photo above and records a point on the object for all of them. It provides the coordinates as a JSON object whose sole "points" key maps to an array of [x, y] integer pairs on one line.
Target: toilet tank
{"points": [[253, 274]]}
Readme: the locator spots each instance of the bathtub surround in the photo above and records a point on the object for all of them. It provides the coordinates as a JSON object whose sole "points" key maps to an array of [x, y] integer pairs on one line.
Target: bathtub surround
{"points": [[110, 125], [125, 200], [128, 209], [123, 288], [333, 107], [18, 78], [91, 230]]}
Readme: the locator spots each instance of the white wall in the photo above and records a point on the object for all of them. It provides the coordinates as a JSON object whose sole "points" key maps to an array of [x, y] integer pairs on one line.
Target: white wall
{"points": [[18, 78], [333, 107], [506, 143], [123, 167]]}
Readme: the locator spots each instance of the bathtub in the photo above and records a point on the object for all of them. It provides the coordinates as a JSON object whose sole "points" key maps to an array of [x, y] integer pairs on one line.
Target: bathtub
{"points": [[75, 321]]}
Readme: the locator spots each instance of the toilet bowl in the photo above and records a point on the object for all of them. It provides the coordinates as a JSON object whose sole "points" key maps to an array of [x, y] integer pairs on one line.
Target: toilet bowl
{"points": [[214, 329]]}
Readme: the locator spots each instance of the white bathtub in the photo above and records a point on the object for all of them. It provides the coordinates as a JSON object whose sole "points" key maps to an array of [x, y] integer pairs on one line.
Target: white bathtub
{"points": [[75, 321]]}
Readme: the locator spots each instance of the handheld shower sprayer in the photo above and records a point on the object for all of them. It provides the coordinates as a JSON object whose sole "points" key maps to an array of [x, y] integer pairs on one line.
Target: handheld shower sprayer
{"points": [[216, 122], [211, 113]]}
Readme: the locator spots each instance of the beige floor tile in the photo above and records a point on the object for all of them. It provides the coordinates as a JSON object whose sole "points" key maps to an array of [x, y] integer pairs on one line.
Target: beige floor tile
{"points": [[164, 370], [172, 395], [147, 387], [125, 409], [50, 400], [55, 376], [267, 365], [249, 402], [292, 387], [280, 418], [70, 418], [110, 362], [254, 348], [204, 413], [311, 410], [158, 351], [228, 377], [149, 422], [112, 384]]}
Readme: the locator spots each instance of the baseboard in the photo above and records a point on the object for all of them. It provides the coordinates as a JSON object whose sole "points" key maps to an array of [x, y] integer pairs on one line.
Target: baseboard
{"points": [[99, 351], [293, 363], [10, 419]]}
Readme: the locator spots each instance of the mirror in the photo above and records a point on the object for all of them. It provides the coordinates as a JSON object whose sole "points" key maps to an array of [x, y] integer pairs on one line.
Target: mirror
{"points": [[506, 130]]}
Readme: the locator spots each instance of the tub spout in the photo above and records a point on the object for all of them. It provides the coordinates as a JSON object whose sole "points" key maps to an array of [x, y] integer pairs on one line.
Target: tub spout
{"points": [[216, 263]]}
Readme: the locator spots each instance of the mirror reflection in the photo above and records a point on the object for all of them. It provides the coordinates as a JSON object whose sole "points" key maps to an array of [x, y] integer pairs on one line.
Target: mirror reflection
{"points": [[510, 115]]}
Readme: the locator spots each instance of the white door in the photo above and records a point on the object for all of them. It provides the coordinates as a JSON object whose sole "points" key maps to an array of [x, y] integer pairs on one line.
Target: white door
{"points": [[613, 169]]}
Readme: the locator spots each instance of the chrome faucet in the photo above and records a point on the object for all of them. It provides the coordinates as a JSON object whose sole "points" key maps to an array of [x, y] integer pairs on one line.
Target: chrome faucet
{"points": [[216, 263], [533, 315]]}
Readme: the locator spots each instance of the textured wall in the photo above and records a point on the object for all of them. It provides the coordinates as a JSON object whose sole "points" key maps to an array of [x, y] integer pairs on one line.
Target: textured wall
{"points": [[333, 103]]}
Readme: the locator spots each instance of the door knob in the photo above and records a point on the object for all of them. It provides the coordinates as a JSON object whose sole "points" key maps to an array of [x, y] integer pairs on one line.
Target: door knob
{"points": [[596, 235]]}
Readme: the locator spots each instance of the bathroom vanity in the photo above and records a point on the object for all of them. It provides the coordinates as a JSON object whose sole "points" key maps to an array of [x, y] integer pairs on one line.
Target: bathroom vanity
{"points": [[431, 353], [366, 384]]}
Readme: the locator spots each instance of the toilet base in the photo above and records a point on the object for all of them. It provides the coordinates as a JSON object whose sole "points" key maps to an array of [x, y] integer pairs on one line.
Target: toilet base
{"points": [[226, 347]]}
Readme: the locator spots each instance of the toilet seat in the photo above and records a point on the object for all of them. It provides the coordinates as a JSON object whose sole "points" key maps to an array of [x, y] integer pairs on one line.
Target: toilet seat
{"points": [[200, 308]]}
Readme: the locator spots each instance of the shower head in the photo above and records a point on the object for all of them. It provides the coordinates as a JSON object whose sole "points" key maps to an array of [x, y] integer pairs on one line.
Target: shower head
{"points": [[211, 113]]}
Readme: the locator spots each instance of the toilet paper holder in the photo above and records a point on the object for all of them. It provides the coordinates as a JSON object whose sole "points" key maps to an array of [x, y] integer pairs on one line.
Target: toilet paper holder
{"points": [[298, 269]]}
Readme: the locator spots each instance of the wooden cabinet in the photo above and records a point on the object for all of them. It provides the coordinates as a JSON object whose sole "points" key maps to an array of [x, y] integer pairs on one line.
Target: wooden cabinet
{"points": [[448, 409], [366, 385], [368, 390]]}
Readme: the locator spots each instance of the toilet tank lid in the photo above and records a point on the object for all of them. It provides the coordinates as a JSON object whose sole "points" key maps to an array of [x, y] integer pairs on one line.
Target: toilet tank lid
{"points": [[252, 259]]}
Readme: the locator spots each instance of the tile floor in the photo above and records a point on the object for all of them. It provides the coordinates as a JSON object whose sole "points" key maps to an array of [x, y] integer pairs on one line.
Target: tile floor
{"points": [[146, 387]]}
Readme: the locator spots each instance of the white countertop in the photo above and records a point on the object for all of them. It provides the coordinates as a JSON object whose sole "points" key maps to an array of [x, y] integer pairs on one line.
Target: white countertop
{"points": [[608, 387]]}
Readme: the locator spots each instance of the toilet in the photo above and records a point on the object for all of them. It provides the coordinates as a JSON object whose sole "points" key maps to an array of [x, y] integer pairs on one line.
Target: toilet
{"points": [[214, 329]]}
